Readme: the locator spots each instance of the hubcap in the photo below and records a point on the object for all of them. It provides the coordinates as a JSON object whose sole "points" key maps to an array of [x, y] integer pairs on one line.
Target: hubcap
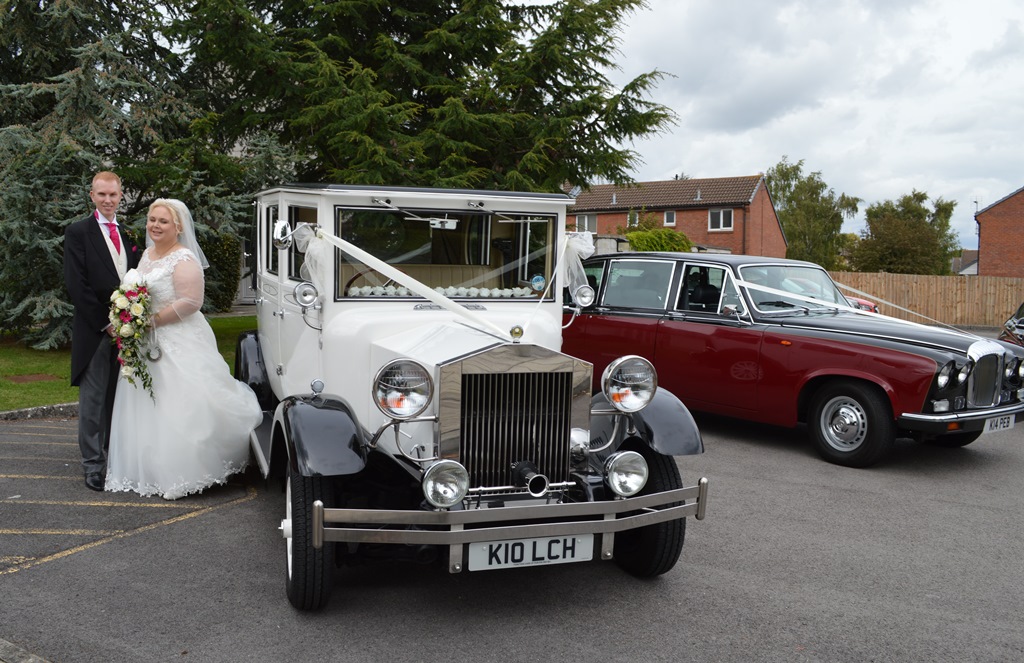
{"points": [[844, 424]]}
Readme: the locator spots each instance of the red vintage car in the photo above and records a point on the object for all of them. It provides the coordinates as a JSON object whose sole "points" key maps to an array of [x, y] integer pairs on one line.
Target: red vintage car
{"points": [[775, 341]]}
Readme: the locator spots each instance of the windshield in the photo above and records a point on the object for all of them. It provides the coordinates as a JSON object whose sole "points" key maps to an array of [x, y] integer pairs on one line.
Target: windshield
{"points": [[770, 286], [459, 254]]}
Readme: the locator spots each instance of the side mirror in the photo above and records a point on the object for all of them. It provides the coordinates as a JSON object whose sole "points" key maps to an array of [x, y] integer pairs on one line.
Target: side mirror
{"points": [[282, 238], [584, 296]]}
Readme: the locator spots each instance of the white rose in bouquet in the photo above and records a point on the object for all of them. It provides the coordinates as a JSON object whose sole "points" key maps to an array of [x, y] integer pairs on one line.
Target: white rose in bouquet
{"points": [[121, 302]]}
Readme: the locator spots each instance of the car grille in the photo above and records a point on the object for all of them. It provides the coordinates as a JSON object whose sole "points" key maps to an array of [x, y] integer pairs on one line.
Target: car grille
{"points": [[508, 418], [985, 381], [509, 404]]}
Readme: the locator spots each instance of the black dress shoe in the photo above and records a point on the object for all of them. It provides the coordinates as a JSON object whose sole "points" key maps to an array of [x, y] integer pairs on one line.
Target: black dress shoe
{"points": [[94, 480]]}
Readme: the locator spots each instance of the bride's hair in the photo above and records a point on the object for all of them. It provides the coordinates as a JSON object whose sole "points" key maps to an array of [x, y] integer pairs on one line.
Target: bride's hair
{"points": [[185, 226]]}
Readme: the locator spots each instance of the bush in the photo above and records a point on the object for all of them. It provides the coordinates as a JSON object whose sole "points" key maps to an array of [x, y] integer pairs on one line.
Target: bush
{"points": [[662, 239], [224, 253]]}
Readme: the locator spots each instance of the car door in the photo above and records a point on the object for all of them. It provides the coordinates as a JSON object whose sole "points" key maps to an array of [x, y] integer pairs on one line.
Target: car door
{"points": [[631, 300], [707, 349]]}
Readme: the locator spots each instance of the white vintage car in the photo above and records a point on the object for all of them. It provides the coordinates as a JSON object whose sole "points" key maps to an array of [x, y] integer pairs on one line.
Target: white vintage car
{"points": [[418, 407]]}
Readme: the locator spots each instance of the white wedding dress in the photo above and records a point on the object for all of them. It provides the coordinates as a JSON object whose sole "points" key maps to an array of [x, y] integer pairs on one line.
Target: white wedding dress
{"points": [[194, 432]]}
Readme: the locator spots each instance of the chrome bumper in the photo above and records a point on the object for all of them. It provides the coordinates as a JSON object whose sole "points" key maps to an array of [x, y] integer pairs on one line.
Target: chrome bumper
{"points": [[604, 518], [971, 415]]}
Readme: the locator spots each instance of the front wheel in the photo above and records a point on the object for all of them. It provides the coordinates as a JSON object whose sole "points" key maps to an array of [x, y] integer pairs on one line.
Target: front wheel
{"points": [[851, 423], [650, 551], [310, 576]]}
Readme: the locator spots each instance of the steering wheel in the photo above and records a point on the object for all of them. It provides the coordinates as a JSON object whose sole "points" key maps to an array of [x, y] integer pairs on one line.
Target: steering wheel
{"points": [[363, 272]]}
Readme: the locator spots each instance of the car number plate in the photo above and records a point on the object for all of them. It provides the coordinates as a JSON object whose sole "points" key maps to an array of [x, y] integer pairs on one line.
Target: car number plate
{"points": [[530, 552], [994, 424]]}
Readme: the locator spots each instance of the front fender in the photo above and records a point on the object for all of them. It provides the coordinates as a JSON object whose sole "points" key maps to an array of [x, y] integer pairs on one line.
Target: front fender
{"points": [[665, 425], [321, 435]]}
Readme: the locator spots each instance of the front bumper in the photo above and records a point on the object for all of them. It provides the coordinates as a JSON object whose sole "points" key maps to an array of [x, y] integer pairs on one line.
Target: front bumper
{"points": [[601, 518], [970, 421]]}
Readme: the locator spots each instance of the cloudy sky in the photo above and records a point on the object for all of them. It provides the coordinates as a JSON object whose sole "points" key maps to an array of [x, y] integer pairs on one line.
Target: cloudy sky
{"points": [[880, 96]]}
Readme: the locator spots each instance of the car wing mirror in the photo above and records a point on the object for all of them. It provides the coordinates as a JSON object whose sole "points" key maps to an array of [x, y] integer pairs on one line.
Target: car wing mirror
{"points": [[282, 235]]}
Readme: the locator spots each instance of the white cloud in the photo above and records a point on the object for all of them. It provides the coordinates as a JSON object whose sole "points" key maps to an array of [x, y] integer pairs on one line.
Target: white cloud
{"points": [[882, 97]]}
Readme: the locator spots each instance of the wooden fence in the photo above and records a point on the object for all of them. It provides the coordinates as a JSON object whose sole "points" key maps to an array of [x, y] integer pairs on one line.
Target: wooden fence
{"points": [[960, 301]]}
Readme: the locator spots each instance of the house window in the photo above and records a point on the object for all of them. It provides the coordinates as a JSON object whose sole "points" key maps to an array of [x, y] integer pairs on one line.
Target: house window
{"points": [[719, 219], [586, 223], [670, 218]]}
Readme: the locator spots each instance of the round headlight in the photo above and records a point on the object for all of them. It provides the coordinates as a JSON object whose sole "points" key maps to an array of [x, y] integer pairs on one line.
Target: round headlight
{"points": [[445, 483], [1020, 370], [965, 371], [629, 383], [1010, 366], [626, 472], [944, 374], [403, 389], [584, 296]]}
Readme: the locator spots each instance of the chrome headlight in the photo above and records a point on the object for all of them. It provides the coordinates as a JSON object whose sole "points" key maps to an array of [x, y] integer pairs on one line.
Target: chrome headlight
{"points": [[629, 383], [943, 380], [1010, 366], [626, 473], [403, 389], [445, 483], [965, 371]]}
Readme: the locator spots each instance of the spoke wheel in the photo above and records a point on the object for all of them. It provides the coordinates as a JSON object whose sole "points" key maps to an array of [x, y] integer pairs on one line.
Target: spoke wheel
{"points": [[851, 423], [310, 572]]}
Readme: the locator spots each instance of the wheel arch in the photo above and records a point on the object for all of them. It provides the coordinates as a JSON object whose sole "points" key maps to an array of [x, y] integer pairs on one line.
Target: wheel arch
{"points": [[816, 382], [665, 425], [319, 436], [252, 370]]}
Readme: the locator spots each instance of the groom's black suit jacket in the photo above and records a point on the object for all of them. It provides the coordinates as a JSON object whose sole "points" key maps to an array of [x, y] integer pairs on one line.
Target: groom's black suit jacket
{"points": [[90, 276]]}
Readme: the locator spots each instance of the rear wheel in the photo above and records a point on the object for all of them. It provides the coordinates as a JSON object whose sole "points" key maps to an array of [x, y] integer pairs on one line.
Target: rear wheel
{"points": [[650, 551], [310, 576], [851, 423]]}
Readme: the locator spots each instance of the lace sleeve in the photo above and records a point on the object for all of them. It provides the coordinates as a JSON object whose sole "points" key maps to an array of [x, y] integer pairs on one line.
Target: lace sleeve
{"points": [[188, 291]]}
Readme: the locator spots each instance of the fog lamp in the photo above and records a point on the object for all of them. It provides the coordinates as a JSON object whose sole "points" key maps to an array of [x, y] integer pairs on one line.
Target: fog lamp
{"points": [[626, 473], [629, 383], [403, 389], [940, 406], [445, 483]]}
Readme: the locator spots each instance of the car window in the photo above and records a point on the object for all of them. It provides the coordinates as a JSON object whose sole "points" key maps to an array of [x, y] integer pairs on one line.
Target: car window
{"points": [[805, 281], [702, 288], [638, 283]]}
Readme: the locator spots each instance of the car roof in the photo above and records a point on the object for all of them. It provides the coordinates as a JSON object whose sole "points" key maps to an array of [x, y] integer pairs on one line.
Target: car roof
{"points": [[734, 259]]}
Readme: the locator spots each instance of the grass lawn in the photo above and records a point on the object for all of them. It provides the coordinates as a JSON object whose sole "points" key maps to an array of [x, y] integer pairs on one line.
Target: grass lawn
{"points": [[29, 378]]}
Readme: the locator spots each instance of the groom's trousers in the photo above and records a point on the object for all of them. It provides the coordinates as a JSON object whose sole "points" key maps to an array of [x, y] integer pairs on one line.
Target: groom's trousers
{"points": [[95, 405]]}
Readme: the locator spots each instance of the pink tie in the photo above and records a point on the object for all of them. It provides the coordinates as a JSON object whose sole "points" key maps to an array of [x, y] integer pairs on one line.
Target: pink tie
{"points": [[114, 237]]}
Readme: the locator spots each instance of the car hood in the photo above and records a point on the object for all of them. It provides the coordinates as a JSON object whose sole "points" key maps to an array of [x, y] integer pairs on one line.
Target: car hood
{"points": [[882, 328]]}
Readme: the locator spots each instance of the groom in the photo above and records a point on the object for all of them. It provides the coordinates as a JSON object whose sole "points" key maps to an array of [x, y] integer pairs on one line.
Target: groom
{"points": [[97, 254]]}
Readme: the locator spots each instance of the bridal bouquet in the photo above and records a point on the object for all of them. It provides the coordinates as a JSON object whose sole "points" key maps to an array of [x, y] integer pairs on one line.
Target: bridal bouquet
{"points": [[130, 314]]}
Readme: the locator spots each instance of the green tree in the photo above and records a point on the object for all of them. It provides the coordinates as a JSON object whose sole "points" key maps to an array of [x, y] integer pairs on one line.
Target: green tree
{"points": [[476, 93], [906, 237], [811, 213]]}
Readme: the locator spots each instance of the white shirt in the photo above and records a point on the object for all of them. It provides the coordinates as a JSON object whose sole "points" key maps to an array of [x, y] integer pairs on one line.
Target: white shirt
{"points": [[120, 258]]}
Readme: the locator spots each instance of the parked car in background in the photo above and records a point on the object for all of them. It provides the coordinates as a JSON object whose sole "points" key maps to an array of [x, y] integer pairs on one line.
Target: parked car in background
{"points": [[862, 304], [417, 406], [775, 341], [1013, 329]]}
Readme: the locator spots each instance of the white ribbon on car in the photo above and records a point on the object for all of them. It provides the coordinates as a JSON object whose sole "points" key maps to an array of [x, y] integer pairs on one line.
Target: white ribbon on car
{"points": [[319, 258]]}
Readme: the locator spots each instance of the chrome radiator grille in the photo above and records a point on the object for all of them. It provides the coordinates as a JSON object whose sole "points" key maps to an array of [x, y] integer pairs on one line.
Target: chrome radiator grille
{"points": [[511, 403], [985, 381], [515, 417]]}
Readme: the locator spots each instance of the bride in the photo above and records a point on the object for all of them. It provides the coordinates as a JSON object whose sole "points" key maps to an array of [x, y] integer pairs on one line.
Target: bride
{"points": [[194, 430]]}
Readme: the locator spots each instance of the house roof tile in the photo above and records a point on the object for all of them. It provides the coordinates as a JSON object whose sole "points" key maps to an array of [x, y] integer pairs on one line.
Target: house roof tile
{"points": [[669, 194]]}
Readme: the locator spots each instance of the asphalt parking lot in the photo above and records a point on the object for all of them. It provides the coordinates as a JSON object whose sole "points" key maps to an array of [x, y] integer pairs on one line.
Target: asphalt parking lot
{"points": [[918, 559]]}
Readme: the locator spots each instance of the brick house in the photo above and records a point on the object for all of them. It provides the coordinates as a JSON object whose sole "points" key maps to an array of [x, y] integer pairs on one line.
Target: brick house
{"points": [[727, 214], [1001, 237]]}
